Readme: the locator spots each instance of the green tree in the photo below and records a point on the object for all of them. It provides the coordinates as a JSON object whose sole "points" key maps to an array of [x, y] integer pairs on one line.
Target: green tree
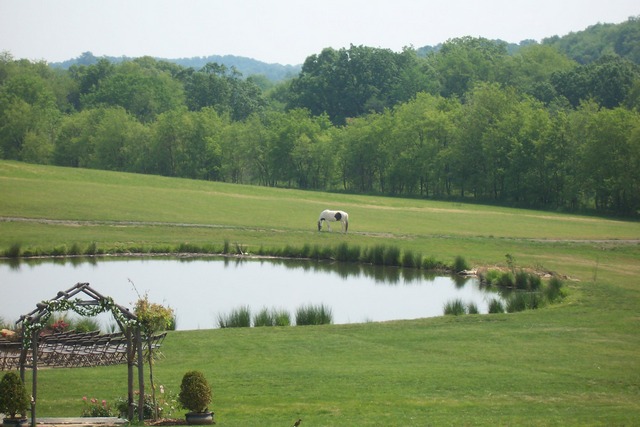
{"points": [[464, 61], [143, 92], [346, 83]]}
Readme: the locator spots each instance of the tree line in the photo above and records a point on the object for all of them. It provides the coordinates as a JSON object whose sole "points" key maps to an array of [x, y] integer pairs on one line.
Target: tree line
{"points": [[469, 121]]}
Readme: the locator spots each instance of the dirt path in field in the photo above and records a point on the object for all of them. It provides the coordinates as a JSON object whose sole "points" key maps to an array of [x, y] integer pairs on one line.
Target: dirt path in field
{"points": [[80, 223]]}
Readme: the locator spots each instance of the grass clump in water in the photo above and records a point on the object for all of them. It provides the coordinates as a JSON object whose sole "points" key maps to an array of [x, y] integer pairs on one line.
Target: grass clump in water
{"points": [[455, 308], [314, 315], [496, 306], [460, 264], [273, 317], [238, 318]]}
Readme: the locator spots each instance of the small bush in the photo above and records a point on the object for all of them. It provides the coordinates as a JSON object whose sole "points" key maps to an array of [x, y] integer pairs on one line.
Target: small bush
{"points": [[238, 318], [455, 307], [496, 306], [195, 392], [313, 315]]}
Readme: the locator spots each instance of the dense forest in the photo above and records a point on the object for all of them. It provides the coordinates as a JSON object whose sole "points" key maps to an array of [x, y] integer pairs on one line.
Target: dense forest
{"points": [[552, 125]]}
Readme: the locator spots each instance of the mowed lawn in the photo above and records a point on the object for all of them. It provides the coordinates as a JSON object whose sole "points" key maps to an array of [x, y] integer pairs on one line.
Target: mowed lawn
{"points": [[573, 363]]}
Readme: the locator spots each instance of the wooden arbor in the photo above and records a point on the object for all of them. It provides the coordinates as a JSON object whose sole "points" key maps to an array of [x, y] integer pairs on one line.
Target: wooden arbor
{"points": [[93, 303]]}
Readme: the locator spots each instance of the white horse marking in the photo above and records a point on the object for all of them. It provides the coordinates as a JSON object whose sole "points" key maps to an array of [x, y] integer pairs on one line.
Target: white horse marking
{"points": [[333, 216]]}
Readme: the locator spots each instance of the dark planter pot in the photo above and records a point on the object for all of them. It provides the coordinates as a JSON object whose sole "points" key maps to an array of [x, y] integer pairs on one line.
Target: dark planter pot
{"points": [[15, 422], [199, 418]]}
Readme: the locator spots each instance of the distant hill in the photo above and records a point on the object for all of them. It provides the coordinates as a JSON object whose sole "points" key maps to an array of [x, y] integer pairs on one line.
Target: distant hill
{"points": [[247, 66]]}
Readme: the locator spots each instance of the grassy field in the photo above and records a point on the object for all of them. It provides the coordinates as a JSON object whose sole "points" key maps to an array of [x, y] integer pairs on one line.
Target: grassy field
{"points": [[574, 363]]}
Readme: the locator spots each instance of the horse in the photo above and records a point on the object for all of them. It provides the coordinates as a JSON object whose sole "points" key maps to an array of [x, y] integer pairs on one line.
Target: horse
{"points": [[333, 216]]}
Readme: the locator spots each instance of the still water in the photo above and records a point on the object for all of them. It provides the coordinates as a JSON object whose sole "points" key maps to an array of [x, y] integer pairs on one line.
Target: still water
{"points": [[200, 290]]}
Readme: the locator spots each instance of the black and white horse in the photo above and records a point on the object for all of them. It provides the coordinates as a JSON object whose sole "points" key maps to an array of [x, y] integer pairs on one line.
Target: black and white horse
{"points": [[334, 216]]}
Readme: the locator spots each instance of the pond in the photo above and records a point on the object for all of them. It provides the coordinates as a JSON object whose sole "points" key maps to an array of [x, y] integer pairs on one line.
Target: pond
{"points": [[200, 290]]}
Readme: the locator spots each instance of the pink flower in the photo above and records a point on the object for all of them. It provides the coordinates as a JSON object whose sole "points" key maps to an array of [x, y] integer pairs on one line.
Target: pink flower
{"points": [[104, 403], [94, 400], [84, 398]]}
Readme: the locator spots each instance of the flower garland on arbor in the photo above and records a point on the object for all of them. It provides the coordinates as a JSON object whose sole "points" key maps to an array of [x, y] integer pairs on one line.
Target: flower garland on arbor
{"points": [[46, 308]]}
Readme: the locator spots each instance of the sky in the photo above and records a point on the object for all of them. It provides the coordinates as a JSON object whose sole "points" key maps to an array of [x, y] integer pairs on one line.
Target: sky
{"points": [[280, 31]]}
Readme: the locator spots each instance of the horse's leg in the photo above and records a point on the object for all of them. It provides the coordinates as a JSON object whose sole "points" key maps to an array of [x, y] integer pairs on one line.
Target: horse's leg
{"points": [[328, 225]]}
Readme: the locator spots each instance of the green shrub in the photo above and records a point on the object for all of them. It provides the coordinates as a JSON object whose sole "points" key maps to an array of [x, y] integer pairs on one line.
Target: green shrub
{"points": [[455, 307], [13, 395], [313, 315], [195, 392], [472, 308]]}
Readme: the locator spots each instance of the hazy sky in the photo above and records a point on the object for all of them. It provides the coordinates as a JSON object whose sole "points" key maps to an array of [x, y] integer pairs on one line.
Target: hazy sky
{"points": [[283, 31]]}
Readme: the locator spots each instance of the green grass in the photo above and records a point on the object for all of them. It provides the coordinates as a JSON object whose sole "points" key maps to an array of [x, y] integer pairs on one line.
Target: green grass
{"points": [[574, 362]]}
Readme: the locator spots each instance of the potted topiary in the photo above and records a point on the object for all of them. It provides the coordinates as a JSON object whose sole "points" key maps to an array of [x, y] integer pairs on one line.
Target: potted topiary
{"points": [[195, 395], [13, 400]]}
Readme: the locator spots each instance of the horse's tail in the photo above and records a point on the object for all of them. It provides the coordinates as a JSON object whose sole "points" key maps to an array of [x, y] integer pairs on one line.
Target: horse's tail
{"points": [[346, 222]]}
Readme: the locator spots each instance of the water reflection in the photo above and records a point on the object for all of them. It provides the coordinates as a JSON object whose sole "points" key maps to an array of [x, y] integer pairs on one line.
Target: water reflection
{"points": [[201, 289]]}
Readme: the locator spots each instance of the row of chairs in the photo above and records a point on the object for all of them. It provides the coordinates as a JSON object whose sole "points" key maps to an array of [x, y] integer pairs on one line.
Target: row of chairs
{"points": [[76, 350]]}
